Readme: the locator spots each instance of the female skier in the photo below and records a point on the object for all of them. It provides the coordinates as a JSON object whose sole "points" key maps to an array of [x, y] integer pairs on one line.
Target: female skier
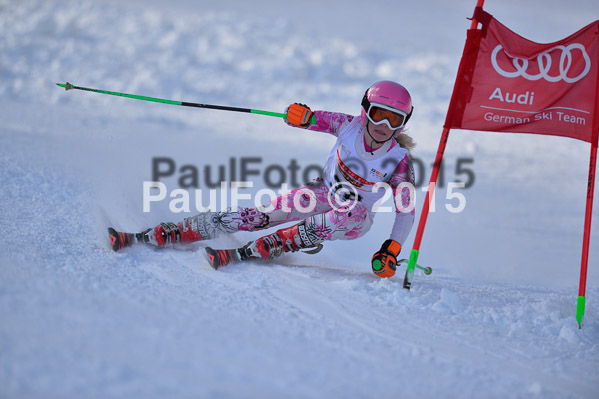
{"points": [[369, 150]]}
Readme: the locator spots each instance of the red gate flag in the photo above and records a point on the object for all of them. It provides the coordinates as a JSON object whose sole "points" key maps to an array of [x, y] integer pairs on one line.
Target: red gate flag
{"points": [[507, 83]]}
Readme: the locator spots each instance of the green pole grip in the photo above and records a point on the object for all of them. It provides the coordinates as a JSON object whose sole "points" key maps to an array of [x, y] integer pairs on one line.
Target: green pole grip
{"points": [[580, 310], [260, 112], [278, 114]]}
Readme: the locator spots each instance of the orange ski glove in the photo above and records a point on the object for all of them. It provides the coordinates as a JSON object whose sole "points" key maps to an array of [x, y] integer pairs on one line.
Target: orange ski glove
{"points": [[384, 261], [299, 115]]}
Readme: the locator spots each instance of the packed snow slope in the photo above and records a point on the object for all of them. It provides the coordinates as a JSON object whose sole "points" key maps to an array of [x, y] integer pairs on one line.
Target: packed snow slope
{"points": [[494, 320]]}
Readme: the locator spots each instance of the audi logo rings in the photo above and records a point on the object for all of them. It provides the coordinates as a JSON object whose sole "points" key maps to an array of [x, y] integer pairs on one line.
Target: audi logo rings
{"points": [[545, 60]]}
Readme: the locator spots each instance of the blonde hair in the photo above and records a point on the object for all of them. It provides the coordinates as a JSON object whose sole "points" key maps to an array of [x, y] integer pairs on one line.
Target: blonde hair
{"points": [[405, 141]]}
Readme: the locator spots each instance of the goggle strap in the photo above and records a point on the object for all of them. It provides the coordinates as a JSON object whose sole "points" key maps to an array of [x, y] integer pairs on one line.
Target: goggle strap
{"points": [[365, 102], [408, 116]]}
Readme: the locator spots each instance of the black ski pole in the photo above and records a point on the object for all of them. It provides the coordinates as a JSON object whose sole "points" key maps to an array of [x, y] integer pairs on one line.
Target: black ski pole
{"points": [[69, 86]]}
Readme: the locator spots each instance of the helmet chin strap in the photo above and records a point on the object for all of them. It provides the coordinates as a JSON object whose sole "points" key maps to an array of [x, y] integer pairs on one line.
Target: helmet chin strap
{"points": [[373, 140]]}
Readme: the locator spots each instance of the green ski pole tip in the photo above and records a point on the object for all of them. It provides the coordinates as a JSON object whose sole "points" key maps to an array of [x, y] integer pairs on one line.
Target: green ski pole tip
{"points": [[67, 86]]}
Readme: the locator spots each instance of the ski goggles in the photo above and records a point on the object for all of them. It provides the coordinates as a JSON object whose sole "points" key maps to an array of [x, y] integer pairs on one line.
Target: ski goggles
{"points": [[392, 117]]}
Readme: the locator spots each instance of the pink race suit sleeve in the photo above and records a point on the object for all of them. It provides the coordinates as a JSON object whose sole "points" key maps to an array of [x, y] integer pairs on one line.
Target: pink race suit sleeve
{"points": [[330, 122], [404, 202]]}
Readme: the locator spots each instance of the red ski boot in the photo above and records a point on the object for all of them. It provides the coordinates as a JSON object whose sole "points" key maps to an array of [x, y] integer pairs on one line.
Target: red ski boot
{"points": [[290, 239]]}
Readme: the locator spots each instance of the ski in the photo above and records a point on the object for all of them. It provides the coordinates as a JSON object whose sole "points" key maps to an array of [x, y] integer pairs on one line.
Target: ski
{"points": [[217, 258], [222, 257], [120, 240]]}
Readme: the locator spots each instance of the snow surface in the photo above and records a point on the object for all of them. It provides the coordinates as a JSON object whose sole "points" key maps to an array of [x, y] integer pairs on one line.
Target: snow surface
{"points": [[494, 320]]}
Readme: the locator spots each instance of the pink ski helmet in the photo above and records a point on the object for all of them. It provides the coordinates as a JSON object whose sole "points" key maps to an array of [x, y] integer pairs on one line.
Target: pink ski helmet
{"points": [[390, 94]]}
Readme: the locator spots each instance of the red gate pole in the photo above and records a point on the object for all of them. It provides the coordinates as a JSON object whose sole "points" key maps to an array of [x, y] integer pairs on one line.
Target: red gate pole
{"points": [[580, 306], [407, 282]]}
